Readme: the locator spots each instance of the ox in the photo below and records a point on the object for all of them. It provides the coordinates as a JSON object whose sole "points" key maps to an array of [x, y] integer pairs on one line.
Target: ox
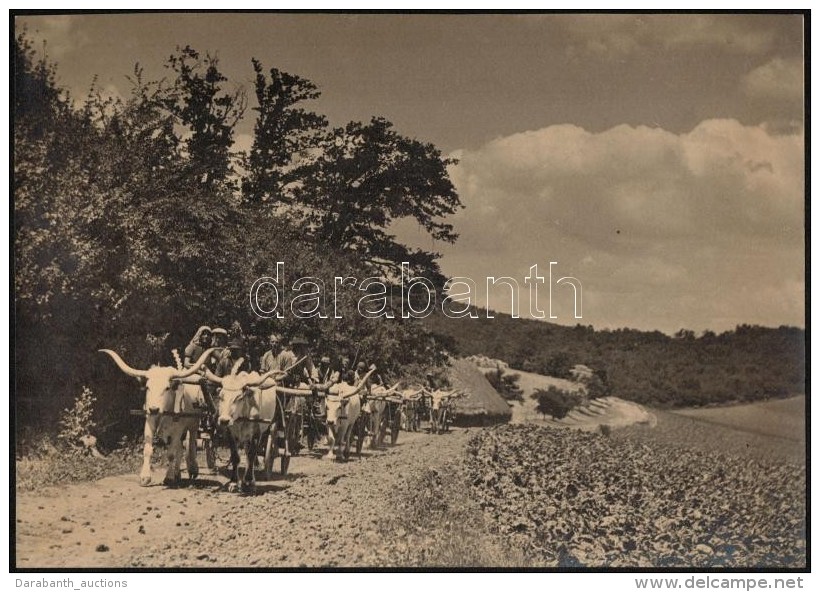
{"points": [[344, 405], [410, 409], [171, 413], [247, 409], [438, 409], [376, 407]]}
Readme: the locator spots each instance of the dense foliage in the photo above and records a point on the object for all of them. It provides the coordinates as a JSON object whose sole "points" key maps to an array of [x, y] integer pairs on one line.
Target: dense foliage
{"points": [[135, 221], [505, 383], [574, 499], [746, 364], [554, 402]]}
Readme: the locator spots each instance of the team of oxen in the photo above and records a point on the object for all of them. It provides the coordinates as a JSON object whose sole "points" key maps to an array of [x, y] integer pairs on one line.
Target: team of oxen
{"points": [[246, 407]]}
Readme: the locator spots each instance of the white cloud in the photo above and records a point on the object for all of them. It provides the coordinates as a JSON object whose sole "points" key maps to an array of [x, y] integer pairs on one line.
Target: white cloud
{"points": [[615, 35], [779, 79], [664, 230], [54, 35], [717, 30]]}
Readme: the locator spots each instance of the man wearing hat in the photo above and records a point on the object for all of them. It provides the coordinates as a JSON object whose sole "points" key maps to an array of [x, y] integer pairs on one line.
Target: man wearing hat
{"points": [[278, 357], [324, 370], [220, 342], [220, 337], [301, 349], [236, 350]]}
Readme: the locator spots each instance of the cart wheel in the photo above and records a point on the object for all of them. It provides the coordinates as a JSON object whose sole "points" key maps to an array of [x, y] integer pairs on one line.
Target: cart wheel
{"points": [[210, 454], [311, 437], [359, 438], [270, 454], [285, 465], [293, 434], [394, 434]]}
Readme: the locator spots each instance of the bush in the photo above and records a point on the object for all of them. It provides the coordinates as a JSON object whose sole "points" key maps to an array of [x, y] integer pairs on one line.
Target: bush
{"points": [[506, 384], [554, 402], [77, 423]]}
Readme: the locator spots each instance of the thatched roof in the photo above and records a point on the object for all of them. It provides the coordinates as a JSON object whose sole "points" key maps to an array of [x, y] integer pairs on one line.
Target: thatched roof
{"points": [[482, 405]]}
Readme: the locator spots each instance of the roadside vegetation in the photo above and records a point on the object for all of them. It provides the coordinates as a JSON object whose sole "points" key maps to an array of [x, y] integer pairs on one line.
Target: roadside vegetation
{"points": [[71, 454], [136, 221]]}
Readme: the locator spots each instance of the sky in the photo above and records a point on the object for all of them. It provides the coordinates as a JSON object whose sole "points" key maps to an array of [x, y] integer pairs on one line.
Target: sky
{"points": [[658, 159]]}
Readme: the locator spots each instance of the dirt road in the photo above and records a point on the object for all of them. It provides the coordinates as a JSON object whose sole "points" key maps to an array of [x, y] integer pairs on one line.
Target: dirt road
{"points": [[322, 514]]}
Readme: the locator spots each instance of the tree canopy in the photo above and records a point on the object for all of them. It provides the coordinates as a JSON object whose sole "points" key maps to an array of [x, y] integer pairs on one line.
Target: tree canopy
{"points": [[136, 217]]}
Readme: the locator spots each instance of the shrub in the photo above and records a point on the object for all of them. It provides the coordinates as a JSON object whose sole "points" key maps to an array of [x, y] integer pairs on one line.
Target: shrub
{"points": [[554, 402], [505, 383], [77, 423]]}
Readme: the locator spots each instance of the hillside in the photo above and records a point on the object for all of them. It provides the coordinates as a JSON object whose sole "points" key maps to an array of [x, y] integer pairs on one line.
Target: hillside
{"points": [[749, 363], [611, 411]]}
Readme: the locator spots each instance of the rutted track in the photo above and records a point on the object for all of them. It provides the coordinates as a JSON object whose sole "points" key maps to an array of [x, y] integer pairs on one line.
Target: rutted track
{"points": [[322, 514]]}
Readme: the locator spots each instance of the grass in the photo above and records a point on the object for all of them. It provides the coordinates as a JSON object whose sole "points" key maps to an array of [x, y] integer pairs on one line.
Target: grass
{"points": [[438, 524], [42, 463], [780, 418], [740, 430]]}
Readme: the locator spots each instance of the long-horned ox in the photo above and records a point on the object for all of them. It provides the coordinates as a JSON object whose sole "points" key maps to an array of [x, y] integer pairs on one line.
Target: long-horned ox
{"points": [[411, 404], [344, 404], [247, 409], [171, 413], [438, 407], [377, 407]]}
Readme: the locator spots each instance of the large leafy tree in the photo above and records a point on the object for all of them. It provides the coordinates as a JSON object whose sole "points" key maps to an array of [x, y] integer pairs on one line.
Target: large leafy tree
{"points": [[116, 233], [128, 221], [48, 135], [368, 176], [286, 135], [210, 112]]}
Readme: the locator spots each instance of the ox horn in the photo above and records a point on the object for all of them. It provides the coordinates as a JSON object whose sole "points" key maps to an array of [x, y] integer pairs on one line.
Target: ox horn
{"points": [[196, 365], [123, 366], [263, 378], [212, 377], [360, 386], [277, 374]]}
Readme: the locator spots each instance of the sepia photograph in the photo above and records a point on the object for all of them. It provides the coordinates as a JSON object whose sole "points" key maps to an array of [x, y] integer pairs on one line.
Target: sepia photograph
{"points": [[409, 291]]}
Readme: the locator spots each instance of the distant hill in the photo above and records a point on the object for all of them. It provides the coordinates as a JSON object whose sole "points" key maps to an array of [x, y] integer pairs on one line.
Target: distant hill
{"points": [[747, 364]]}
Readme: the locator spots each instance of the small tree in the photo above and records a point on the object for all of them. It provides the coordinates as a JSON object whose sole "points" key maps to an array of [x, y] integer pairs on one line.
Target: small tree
{"points": [[506, 384], [553, 402], [76, 423]]}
